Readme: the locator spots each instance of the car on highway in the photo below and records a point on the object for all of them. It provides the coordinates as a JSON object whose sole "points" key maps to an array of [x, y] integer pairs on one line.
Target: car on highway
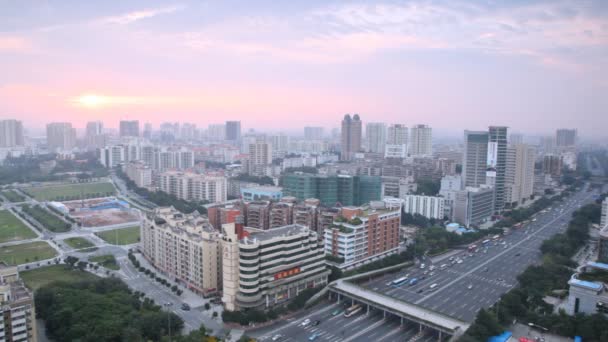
{"points": [[470, 286], [317, 322], [313, 337], [420, 291], [305, 323], [337, 312], [459, 261], [185, 307], [277, 337]]}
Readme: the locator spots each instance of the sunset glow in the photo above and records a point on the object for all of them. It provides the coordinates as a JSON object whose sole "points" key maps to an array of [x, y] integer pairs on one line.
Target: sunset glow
{"points": [[92, 101]]}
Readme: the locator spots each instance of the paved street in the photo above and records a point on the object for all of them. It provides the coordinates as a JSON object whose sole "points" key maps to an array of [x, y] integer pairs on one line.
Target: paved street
{"points": [[479, 279]]}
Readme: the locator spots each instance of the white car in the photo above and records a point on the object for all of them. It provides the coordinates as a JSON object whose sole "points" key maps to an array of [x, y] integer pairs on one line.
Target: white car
{"points": [[277, 337], [459, 261], [305, 323]]}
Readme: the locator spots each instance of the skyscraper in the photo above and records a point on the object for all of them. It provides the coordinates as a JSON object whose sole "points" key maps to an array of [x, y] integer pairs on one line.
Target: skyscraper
{"points": [[60, 135], [421, 141], [519, 177], [94, 137], [129, 128], [233, 131], [397, 134], [351, 136], [375, 133], [497, 147], [475, 158], [147, 130], [313, 133], [11, 133], [260, 157], [565, 137]]}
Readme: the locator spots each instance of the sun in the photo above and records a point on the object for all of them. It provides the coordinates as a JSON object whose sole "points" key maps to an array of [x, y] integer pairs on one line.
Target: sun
{"points": [[91, 101]]}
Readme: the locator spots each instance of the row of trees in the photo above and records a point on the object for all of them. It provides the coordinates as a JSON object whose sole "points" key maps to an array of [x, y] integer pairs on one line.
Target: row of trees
{"points": [[45, 218], [265, 180], [153, 275], [161, 198], [525, 302]]}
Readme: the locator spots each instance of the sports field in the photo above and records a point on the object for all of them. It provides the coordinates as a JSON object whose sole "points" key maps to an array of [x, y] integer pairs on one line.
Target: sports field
{"points": [[39, 277], [12, 229], [68, 192], [122, 236], [26, 252]]}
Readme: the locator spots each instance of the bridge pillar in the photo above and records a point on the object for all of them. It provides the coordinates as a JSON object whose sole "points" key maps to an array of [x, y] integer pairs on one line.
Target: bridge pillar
{"points": [[419, 327], [439, 338], [384, 313], [401, 320], [339, 298], [367, 313]]}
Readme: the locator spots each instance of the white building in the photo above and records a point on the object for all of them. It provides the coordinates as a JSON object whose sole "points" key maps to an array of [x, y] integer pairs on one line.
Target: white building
{"points": [[260, 157], [60, 136], [139, 172], [450, 185], [194, 187], [474, 206], [375, 133], [421, 141], [11, 133], [604, 219], [519, 175], [112, 156], [430, 207], [395, 151]]}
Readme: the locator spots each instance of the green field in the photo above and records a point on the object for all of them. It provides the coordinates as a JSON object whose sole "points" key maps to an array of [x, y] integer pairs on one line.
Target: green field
{"points": [[68, 192], [39, 277], [107, 261], [46, 218], [123, 236], [26, 252], [13, 196], [78, 242], [12, 229]]}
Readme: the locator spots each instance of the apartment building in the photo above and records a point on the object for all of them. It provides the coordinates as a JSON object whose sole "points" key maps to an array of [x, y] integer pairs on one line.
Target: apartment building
{"points": [[431, 207], [17, 311], [258, 214], [194, 187], [473, 206], [363, 234], [139, 172], [263, 269], [281, 214], [183, 246]]}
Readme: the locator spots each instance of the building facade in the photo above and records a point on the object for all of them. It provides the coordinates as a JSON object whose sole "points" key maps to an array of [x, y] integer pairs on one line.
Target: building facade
{"points": [[430, 207], [194, 187], [139, 172], [351, 137], [473, 206], [17, 310], [363, 234], [475, 158], [266, 269], [313, 133], [60, 135], [332, 189], [421, 141], [129, 128], [11, 133], [183, 246], [565, 137], [497, 163], [519, 176], [375, 133]]}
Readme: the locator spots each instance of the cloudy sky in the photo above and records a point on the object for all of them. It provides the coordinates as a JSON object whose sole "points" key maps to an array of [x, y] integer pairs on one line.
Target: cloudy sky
{"points": [[532, 65]]}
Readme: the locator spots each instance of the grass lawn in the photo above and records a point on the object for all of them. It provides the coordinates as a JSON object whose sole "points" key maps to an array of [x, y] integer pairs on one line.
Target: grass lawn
{"points": [[78, 242], [39, 277], [26, 252], [13, 196], [46, 218], [107, 261], [12, 229], [68, 192], [122, 236]]}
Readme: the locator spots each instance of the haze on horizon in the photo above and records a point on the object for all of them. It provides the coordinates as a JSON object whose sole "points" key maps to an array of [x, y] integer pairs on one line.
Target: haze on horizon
{"points": [[531, 65]]}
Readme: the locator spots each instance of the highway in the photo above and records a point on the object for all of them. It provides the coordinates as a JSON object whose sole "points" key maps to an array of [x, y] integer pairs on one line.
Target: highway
{"points": [[472, 281]]}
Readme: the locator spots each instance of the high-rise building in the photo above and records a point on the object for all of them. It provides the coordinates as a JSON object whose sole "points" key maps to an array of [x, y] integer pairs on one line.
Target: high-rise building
{"points": [[332, 189], [552, 165], [183, 246], [17, 309], [497, 162], [147, 130], [519, 176], [60, 135], [260, 157], [11, 133], [431, 207], [94, 128], [351, 137], [604, 217], [474, 206], [129, 128], [313, 133], [565, 137], [375, 133], [397, 134], [94, 137], [139, 172], [421, 141], [280, 145], [475, 158], [194, 187], [233, 131], [359, 234], [516, 138], [263, 269]]}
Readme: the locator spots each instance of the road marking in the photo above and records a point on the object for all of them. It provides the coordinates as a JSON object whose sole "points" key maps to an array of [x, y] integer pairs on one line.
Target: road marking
{"points": [[361, 332]]}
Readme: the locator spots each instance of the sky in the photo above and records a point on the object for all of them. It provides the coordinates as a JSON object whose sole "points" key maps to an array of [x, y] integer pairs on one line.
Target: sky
{"points": [[280, 65]]}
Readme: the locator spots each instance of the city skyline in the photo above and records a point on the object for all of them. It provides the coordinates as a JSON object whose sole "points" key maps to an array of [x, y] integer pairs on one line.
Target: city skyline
{"points": [[532, 66]]}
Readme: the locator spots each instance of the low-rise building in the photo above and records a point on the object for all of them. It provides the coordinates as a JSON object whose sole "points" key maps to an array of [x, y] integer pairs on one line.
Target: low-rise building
{"points": [[261, 193], [17, 311], [362, 234], [183, 246], [474, 206], [586, 295], [263, 269]]}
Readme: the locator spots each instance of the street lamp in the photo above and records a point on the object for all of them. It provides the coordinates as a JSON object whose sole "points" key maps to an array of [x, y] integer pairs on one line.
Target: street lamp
{"points": [[167, 305]]}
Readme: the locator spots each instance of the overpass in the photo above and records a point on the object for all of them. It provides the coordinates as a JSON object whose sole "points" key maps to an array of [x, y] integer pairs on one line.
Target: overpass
{"points": [[443, 324]]}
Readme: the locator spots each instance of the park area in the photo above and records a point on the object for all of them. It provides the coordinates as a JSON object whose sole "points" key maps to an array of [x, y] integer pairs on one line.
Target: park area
{"points": [[39, 277], [108, 261], [67, 192], [78, 242], [46, 218], [123, 236], [26, 252], [12, 229], [13, 196]]}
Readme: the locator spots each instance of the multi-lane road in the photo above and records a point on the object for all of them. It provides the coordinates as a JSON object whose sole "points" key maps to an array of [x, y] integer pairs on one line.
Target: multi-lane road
{"points": [[468, 282]]}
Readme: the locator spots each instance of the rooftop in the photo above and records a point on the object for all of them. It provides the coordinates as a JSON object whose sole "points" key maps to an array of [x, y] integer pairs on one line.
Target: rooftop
{"points": [[265, 235], [586, 284], [598, 265], [263, 188], [193, 224]]}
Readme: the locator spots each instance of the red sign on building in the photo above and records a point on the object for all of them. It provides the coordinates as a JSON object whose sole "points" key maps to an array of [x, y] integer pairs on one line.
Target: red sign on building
{"points": [[287, 273]]}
